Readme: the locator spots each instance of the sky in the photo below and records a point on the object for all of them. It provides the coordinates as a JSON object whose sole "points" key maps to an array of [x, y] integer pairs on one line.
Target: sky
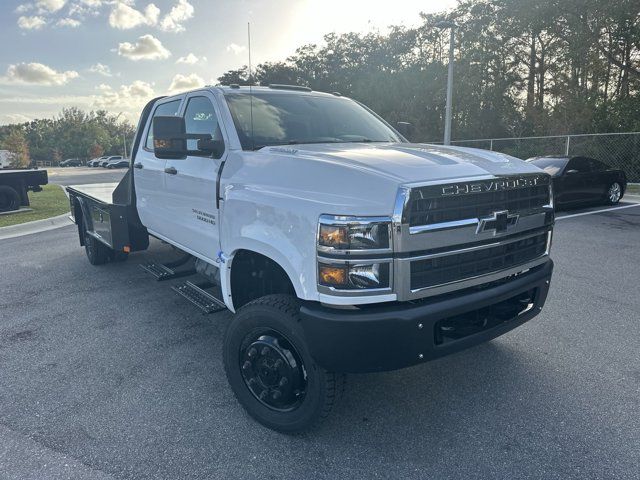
{"points": [[117, 54]]}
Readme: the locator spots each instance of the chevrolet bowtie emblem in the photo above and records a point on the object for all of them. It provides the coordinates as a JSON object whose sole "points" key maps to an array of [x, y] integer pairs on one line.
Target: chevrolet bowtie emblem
{"points": [[499, 222]]}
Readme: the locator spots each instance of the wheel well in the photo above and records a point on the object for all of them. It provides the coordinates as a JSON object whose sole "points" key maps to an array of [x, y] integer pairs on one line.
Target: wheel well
{"points": [[254, 275]]}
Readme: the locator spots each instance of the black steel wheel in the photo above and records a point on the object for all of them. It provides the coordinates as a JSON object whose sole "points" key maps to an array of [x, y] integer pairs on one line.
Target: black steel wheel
{"points": [[97, 252], [9, 199], [271, 371]]}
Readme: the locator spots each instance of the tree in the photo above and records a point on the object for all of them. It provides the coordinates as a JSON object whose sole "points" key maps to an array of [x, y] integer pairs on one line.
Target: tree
{"points": [[16, 143], [96, 151]]}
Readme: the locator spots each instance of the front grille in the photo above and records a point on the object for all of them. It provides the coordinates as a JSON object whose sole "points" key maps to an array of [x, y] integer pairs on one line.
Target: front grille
{"points": [[430, 205], [451, 268]]}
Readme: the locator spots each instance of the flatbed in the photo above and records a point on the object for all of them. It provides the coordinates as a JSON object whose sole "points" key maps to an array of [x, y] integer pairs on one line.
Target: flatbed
{"points": [[15, 185], [100, 192], [105, 212]]}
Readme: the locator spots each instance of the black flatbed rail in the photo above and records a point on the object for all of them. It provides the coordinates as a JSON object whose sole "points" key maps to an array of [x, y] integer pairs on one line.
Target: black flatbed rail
{"points": [[14, 185]]}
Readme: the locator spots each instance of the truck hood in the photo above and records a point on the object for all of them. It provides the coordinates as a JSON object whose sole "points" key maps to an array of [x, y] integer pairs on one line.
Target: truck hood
{"points": [[407, 163]]}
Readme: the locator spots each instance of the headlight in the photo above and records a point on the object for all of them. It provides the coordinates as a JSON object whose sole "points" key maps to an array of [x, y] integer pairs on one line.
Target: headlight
{"points": [[354, 276], [354, 233]]}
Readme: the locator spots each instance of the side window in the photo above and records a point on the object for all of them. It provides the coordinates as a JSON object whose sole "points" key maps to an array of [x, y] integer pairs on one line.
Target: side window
{"points": [[580, 164], [163, 110], [200, 117], [597, 166]]}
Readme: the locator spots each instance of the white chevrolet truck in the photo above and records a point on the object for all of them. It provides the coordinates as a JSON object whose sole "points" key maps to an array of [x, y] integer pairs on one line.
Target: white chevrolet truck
{"points": [[340, 247]]}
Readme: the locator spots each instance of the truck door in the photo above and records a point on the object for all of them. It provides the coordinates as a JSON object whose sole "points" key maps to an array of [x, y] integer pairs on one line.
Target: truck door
{"points": [[149, 174], [190, 183]]}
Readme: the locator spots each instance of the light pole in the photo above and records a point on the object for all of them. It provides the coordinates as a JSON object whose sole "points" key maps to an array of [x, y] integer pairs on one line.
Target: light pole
{"points": [[447, 120], [124, 137]]}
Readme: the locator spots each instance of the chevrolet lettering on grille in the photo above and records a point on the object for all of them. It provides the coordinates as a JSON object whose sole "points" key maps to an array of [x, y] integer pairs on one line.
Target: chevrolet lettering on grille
{"points": [[490, 186], [499, 222]]}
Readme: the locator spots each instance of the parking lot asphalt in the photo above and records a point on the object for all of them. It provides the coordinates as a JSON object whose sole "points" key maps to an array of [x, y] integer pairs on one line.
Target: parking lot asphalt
{"points": [[105, 373]]}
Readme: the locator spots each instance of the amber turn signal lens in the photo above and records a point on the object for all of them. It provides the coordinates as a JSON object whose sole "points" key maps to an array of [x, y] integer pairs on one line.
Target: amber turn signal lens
{"points": [[333, 236], [333, 276]]}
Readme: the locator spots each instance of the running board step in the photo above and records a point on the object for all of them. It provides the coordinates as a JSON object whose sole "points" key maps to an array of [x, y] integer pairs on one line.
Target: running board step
{"points": [[202, 299], [167, 271]]}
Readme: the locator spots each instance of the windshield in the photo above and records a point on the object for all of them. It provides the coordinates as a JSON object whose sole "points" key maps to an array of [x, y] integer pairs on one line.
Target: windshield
{"points": [[283, 119], [553, 166]]}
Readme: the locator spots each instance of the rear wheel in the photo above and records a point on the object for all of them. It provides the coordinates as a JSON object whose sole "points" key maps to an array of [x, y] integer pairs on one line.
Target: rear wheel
{"points": [[9, 199], [97, 252], [614, 193], [271, 371]]}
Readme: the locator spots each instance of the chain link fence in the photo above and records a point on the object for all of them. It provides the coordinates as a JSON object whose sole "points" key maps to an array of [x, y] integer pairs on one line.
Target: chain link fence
{"points": [[619, 150]]}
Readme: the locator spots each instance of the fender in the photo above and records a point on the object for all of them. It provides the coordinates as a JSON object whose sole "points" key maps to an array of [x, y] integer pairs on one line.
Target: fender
{"points": [[266, 250], [86, 218]]}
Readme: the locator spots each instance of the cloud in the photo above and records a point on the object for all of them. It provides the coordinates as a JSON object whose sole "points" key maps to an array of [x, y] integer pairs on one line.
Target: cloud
{"points": [[235, 48], [24, 8], [185, 82], [31, 23], [39, 74], [179, 13], [128, 97], [147, 47], [124, 16], [68, 22], [84, 8], [101, 69], [50, 6], [8, 118], [191, 59]]}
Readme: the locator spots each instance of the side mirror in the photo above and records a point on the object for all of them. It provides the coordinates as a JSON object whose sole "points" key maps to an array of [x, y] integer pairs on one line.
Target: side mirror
{"points": [[210, 146], [571, 172], [169, 139], [405, 128]]}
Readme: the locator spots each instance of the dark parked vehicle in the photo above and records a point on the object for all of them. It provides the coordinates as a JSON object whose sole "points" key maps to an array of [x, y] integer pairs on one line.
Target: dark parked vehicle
{"points": [[14, 185], [578, 180], [124, 163], [104, 162], [71, 162]]}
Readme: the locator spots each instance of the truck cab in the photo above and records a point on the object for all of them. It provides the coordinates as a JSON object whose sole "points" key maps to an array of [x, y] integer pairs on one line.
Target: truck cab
{"points": [[340, 246]]}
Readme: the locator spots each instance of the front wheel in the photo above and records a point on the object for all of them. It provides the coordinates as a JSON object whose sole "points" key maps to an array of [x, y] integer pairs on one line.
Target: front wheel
{"points": [[271, 371], [614, 193]]}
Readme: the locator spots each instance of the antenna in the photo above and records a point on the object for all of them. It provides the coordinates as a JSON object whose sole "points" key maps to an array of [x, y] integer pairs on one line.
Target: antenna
{"points": [[253, 144]]}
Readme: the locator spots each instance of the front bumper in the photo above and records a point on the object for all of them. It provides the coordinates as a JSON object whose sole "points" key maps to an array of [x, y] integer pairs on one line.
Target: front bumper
{"points": [[389, 337]]}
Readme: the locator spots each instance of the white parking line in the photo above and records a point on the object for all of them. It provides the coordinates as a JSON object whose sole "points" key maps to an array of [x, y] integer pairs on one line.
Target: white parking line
{"points": [[597, 211]]}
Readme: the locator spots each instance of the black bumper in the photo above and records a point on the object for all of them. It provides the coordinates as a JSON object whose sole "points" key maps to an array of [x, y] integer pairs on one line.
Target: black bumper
{"points": [[381, 338]]}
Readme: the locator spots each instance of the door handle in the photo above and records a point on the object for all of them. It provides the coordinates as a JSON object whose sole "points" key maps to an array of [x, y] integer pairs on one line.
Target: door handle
{"points": [[170, 170], [137, 165]]}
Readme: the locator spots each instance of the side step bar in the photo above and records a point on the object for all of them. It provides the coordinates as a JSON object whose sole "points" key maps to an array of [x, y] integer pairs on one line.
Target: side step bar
{"points": [[166, 271], [197, 295]]}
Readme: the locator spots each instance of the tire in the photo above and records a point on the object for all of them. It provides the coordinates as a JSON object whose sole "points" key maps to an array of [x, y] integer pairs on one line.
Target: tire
{"points": [[614, 193], [97, 252], [270, 369], [9, 199]]}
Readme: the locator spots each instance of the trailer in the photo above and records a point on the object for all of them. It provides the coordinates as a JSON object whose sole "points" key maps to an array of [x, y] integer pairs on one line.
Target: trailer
{"points": [[15, 185]]}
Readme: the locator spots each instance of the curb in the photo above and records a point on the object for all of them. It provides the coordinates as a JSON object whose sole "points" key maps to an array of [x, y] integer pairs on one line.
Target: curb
{"points": [[36, 226]]}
